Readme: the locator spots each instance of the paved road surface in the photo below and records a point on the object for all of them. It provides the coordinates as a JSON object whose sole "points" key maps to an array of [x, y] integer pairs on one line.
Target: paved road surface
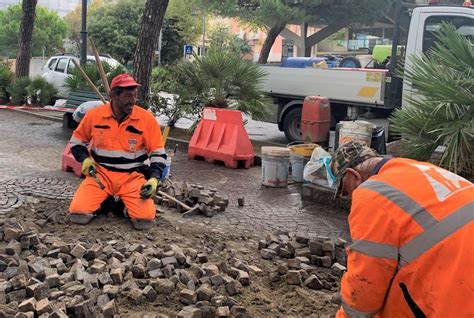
{"points": [[31, 147]]}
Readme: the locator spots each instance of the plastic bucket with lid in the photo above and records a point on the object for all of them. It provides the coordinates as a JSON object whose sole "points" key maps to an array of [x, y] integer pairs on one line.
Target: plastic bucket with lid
{"points": [[355, 130], [299, 157], [275, 166]]}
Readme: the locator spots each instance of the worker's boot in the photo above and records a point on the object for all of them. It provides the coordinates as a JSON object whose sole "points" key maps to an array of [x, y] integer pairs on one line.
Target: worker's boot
{"points": [[80, 218], [141, 224]]}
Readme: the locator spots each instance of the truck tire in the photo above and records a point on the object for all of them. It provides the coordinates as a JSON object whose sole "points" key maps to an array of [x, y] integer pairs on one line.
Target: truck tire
{"points": [[292, 125], [350, 62]]}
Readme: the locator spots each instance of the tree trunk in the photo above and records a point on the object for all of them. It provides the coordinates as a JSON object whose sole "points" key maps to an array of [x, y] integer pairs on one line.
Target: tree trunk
{"points": [[24, 47], [147, 43], [269, 40]]}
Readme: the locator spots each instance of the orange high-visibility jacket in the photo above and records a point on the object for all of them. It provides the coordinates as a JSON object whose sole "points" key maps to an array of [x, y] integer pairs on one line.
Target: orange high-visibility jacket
{"points": [[412, 252], [121, 147]]}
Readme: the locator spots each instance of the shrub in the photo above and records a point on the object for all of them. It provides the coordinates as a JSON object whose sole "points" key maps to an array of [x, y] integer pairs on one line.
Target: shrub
{"points": [[40, 92], [6, 78], [441, 113], [77, 82], [18, 90]]}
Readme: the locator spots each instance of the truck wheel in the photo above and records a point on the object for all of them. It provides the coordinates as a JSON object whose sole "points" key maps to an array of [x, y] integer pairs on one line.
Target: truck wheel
{"points": [[292, 125], [350, 62]]}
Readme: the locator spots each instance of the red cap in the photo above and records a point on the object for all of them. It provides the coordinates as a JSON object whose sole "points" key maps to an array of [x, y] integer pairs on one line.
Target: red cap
{"points": [[123, 80]]}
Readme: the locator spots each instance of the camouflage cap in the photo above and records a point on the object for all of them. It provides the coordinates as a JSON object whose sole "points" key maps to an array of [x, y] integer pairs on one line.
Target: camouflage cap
{"points": [[349, 155]]}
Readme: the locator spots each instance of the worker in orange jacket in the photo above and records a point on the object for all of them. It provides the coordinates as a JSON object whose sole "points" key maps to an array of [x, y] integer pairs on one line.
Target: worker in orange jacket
{"points": [[412, 237], [121, 136]]}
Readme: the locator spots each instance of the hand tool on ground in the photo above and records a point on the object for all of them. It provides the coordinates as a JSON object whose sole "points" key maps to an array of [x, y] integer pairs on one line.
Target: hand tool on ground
{"points": [[189, 211], [93, 174]]}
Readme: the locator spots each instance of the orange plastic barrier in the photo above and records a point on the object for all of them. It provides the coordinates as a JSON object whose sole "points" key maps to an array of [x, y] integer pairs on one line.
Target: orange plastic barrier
{"points": [[316, 119], [221, 136], [69, 163]]}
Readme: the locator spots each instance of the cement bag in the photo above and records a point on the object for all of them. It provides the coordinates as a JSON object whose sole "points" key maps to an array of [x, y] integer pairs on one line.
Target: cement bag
{"points": [[317, 170], [81, 111]]}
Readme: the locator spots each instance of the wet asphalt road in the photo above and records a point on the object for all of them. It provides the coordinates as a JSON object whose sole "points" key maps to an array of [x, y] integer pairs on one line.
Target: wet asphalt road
{"points": [[32, 147]]}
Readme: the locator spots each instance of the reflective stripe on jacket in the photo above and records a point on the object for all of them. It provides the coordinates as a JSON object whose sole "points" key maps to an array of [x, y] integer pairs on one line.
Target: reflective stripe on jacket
{"points": [[412, 252], [120, 147]]}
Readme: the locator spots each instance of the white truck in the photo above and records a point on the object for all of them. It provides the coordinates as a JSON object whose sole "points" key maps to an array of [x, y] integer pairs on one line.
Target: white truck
{"points": [[370, 94]]}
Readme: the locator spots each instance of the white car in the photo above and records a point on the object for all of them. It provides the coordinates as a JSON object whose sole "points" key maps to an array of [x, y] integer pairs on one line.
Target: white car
{"points": [[59, 67]]}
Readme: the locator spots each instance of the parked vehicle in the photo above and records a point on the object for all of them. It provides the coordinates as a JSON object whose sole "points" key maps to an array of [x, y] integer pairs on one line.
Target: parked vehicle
{"points": [[59, 67], [359, 93]]}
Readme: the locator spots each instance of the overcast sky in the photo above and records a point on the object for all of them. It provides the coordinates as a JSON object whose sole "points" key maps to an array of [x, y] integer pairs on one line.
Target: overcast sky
{"points": [[62, 7]]}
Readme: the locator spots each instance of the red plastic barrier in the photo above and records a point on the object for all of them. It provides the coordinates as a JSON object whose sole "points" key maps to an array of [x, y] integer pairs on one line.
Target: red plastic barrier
{"points": [[69, 163], [316, 119], [221, 136]]}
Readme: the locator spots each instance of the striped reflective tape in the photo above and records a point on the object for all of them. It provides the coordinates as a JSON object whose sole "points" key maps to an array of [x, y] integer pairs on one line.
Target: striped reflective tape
{"points": [[373, 249], [407, 204], [124, 167], [354, 313], [76, 142], [440, 231], [119, 154]]}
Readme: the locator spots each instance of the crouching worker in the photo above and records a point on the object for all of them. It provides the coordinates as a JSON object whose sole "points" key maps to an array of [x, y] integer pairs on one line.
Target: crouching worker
{"points": [[121, 136], [412, 231]]}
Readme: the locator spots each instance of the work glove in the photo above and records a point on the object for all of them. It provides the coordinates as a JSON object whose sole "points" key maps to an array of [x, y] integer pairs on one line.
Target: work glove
{"points": [[88, 167], [148, 189]]}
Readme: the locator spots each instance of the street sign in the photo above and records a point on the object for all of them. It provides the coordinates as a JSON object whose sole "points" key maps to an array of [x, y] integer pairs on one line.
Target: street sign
{"points": [[287, 48], [188, 50]]}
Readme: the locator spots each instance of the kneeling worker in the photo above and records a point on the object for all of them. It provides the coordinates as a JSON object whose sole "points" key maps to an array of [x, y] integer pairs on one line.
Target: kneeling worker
{"points": [[412, 231], [122, 136]]}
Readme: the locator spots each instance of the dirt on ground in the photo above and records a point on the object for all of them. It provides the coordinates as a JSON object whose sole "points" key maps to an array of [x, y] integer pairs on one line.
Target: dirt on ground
{"points": [[266, 296]]}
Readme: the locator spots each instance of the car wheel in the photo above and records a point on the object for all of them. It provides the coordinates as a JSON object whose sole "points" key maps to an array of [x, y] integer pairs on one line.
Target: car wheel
{"points": [[292, 125]]}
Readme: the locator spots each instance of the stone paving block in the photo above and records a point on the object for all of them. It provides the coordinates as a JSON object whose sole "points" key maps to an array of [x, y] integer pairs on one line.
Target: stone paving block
{"points": [[187, 297], [267, 253], [27, 305], [78, 251], [163, 286], [338, 269], [109, 310], [233, 287], [190, 312], [313, 282], [43, 307], [223, 311], [293, 277]]}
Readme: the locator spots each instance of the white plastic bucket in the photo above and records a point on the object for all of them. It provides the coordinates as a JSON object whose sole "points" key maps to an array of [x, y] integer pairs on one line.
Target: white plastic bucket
{"points": [[356, 131], [166, 172], [297, 166], [275, 166]]}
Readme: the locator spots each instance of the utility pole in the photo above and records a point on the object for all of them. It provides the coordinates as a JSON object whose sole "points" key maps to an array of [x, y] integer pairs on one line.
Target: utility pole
{"points": [[83, 41], [203, 49]]}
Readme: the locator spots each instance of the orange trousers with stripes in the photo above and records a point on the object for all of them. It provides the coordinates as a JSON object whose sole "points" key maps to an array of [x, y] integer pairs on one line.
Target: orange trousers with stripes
{"points": [[89, 195]]}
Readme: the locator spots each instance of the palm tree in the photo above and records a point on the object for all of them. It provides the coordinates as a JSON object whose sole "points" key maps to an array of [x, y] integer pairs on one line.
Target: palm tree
{"points": [[441, 113], [223, 79]]}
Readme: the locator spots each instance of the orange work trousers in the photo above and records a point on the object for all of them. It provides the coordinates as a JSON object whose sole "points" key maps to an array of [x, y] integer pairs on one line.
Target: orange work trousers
{"points": [[89, 196]]}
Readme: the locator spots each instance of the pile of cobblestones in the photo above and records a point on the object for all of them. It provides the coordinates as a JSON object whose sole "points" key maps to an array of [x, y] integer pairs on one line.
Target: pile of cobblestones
{"points": [[43, 276], [298, 256], [210, 201]]}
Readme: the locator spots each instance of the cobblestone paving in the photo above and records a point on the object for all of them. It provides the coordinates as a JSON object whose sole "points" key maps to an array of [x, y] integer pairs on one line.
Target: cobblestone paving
{"points": [[14, 191], [30, 153], [266, 209]]}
